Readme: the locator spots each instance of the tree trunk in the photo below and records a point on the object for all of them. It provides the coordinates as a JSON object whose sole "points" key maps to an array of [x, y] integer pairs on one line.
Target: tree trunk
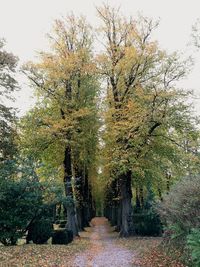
{"points": [[160, 194], [83, 199], [91, 211], [137, 199], [115, 201], [119, 217], [80, 217], [70, 207], [114, 214], [87, 201], [141, 197], [126, 196], [58, 212], [79, 196]]}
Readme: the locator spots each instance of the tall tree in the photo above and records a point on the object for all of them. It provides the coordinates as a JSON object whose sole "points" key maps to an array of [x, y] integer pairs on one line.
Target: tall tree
{"points": [[142, 99], [8, 84], [65, 80]]}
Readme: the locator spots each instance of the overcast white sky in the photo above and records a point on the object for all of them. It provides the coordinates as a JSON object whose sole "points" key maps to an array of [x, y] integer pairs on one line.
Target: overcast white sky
{"points": [[24, 23]]}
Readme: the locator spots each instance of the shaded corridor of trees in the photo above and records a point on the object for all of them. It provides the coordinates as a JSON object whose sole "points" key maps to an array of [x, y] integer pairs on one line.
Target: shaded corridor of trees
{"points": [[110, 128]]}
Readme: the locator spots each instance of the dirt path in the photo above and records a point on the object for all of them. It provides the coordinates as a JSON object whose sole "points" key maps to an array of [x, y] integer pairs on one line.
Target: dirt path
{"points": [[103, 252]]}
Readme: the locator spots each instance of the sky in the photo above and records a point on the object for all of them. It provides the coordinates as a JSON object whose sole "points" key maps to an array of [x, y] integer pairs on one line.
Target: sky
{"points": [[25, 23]]}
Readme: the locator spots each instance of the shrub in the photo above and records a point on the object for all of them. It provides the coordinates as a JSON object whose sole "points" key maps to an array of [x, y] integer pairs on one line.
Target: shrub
{"points": [[40, 231], [147, 223], [62, 237], [62, 223], [22, 199], [19, 202], [193, 242], [180, 212], [146, 220], [181, 207]]}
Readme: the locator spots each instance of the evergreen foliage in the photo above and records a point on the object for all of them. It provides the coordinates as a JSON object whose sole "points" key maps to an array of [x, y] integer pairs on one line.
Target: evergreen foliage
{"points": [[146, 220], [20, 198], [62, 237], [23, 198], [40, 231]]}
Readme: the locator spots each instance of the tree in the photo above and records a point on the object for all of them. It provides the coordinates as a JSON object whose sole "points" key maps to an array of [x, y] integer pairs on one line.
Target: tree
{"points": [[195, 34], [148, 132], [8, 84], [144, 105], [66, 82]]}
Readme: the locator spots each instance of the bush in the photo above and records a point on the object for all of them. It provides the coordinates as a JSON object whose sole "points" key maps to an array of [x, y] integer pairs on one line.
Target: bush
{"points": [[19, 202], [23, 198], [193, 242], [180, 212], [147, 223], [61, 223], [40, 231], [146, 220], [181, 207], [62, 237]]}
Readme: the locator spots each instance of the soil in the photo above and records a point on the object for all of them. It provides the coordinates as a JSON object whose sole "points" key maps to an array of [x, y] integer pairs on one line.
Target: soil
{"points": [[103, 250]]}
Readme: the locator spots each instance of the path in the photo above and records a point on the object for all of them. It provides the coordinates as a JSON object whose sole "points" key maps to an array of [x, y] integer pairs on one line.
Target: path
{"points": [[103, 252]]}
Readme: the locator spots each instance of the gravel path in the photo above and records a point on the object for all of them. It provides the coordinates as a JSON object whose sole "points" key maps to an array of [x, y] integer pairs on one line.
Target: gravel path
{"points": [[103, 251]]}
